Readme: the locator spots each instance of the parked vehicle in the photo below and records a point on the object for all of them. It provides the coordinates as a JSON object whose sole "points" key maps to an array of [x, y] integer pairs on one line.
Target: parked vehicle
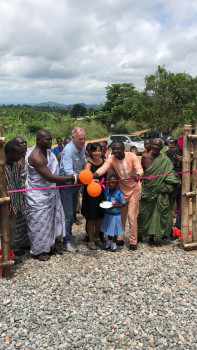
{"points": [[155, 134], [132, 143]]}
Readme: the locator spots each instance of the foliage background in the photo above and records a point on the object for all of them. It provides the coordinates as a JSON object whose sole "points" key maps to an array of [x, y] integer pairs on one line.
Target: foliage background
{"points": [[26, 121], [167, 102]]}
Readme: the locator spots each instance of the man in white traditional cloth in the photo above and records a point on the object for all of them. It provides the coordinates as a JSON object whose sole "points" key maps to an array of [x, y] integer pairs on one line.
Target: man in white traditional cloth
{"points": [[45, 215]]}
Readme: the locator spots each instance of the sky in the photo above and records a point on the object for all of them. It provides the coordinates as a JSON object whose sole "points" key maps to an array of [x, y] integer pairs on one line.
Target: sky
{"points": [[68, 51]]}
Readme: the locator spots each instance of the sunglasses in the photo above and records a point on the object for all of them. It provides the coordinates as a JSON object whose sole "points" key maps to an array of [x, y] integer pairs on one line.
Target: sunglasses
{"points": [[80, 129]]}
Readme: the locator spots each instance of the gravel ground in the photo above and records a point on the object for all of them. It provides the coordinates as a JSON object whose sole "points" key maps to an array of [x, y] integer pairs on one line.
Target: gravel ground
{"points": [[102, 300]]}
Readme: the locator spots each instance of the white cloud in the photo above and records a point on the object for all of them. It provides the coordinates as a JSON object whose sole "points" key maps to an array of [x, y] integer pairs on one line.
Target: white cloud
{"points": [[69, 50]]}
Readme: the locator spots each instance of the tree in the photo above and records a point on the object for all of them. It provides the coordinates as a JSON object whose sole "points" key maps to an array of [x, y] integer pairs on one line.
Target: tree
{"points": [[119, 104], [91, 111], [142, 109], [78, 111], [171, 99]]}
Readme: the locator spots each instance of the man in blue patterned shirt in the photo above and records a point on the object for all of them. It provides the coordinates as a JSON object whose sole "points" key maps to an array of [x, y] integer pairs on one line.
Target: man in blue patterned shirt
{"points": [[72, 162]]}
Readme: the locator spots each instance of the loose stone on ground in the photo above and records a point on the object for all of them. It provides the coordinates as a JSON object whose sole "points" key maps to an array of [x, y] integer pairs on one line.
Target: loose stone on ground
{"points": [[101, 300]]}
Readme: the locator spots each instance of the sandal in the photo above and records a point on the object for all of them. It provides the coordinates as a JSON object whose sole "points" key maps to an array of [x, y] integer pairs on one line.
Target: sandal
{"points": [[55, 251], [42, 257], [77, 222], [98, 242], [92, 246]]}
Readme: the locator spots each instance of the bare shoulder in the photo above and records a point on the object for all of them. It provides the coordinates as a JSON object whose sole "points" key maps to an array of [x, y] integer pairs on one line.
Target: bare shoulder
{"points": [[37, 158], [146, 160], [146, 156]]}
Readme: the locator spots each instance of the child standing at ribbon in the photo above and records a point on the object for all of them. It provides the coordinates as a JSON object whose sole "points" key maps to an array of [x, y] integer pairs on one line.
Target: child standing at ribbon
{"points": [[111, 223]]}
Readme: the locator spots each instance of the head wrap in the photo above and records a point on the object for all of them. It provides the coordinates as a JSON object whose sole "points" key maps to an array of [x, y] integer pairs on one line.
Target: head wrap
{"points": [[180, 142]]}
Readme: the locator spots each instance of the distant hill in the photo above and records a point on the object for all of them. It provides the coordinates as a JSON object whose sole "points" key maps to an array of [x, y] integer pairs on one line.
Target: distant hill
{"points": [[61, 105]]}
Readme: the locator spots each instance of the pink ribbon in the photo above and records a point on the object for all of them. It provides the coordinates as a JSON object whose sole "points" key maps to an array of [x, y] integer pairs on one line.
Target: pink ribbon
{"points": [[41, 188], [101, 182]]}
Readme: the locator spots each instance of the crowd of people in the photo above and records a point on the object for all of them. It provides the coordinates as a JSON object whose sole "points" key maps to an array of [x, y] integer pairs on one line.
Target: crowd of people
{"points": [[44, 212]]}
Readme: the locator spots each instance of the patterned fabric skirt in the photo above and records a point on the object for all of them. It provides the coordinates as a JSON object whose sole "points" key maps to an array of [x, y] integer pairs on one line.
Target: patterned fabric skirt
{"points": [[21, 236]]}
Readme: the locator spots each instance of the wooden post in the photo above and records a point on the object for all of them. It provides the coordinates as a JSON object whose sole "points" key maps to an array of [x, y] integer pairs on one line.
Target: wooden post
{"points": [[194, 207], [5, 244], [185, 183]]}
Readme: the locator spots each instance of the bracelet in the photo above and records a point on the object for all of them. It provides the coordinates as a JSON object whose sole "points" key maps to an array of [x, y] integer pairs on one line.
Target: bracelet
{"points": [[75, 179]]}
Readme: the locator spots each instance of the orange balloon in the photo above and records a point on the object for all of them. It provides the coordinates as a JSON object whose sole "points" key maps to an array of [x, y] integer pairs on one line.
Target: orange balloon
{"points": [[94, 189], [85, 176]]}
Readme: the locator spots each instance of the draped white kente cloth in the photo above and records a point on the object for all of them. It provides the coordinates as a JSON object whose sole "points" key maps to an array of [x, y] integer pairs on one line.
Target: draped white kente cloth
{"points": [[45, 215]]}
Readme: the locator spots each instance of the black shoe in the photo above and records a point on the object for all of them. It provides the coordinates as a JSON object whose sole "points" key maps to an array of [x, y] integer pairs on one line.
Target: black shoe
{"points": [[19, 252], [25, 248], [174, 238], [85, 239], [151, 240], [164, 238], [120, 243], [101, 237], [133, 247], [113, 249]]}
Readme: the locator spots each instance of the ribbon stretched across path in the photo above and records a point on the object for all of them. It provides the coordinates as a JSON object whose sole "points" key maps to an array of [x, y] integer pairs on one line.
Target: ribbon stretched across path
{"points": [[130, 178]]}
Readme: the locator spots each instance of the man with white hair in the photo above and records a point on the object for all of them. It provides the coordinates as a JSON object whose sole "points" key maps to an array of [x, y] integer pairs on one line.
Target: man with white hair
{"points": [[72, 162]]}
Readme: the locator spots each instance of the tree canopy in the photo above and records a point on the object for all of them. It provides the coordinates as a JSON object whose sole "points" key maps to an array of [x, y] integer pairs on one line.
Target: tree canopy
{"points": [[118, 105], [172, 98], [168, 100], [78, 110]]}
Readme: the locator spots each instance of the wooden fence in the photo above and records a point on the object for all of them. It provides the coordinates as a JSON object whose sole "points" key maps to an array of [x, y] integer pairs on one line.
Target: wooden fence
{"points": [[189, 188], [4, 200]]}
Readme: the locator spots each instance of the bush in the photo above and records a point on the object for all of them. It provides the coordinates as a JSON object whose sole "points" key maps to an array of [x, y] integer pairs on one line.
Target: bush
{"points": [[34, 127], [125, 127], [17, 124], [176, 132]]}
